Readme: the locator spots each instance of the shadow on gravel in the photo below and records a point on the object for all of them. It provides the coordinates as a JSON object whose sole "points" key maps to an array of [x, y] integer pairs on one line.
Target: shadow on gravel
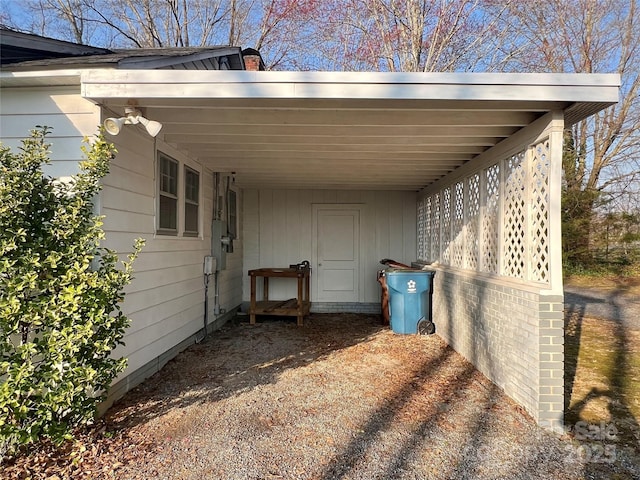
{"points": [[237, 358], [429, 401], [573, 315], [616, 363], [453, 389]]}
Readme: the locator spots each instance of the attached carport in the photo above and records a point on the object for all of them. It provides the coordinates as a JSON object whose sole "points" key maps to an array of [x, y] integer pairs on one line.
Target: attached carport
{"points": [[481, 153], [395, 131]]}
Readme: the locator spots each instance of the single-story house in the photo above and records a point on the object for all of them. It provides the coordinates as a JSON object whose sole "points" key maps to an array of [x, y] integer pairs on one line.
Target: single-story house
{"points": [[266, 169]]}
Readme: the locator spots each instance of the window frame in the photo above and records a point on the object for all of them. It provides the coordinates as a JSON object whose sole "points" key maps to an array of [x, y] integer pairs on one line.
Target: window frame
{"points": [[175, 197], [190, 172]]}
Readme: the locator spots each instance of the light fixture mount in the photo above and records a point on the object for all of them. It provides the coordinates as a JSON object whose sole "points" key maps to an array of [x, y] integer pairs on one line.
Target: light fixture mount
{"points": [[133, 116]]}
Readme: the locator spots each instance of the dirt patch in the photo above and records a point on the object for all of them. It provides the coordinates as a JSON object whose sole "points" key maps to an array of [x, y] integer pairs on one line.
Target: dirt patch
{"points": [[340, 398], [625, 285], [602, 375]]}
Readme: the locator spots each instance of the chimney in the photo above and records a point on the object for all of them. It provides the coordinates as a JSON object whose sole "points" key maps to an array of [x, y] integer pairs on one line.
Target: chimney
{"points": [[252, 60]]}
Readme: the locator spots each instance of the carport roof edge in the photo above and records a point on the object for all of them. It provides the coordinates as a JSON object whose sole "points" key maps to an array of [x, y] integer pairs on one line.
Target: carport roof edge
{"points": [[335, 130], [100, 84]]}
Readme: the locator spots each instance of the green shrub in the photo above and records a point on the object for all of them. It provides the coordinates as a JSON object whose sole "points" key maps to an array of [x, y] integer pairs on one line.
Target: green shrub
{"points": [[623, 267], [60, 291]]}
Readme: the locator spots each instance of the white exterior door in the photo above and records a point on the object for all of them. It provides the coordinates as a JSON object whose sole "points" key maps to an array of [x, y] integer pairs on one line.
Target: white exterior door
{"points": [[337, 253]]}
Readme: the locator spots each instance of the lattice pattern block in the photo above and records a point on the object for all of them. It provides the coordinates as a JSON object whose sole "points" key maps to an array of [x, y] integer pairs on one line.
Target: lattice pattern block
{"points": [[421, 220], [471, 227], [539, 219], [502, 210], [515, 215], [446, 226], [427, 229], [435, 227], [457, 222], [490, 218]]}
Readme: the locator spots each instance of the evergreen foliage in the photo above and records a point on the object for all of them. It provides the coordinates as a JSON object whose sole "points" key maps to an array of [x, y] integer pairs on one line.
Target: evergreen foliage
{"points": [[60, 292]]}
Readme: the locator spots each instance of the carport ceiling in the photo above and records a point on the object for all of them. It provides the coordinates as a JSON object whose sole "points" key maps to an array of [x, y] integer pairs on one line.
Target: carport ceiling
{"points": [[343, 130]]}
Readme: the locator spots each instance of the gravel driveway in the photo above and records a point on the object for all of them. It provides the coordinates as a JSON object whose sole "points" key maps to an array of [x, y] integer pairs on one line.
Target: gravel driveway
{"points": [[340, 398], [604, 304]]}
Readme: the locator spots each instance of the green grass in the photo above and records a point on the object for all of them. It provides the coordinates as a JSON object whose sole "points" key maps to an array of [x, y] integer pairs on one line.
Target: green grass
{"points": [[603, 359], [613, 268], [624, 279]]}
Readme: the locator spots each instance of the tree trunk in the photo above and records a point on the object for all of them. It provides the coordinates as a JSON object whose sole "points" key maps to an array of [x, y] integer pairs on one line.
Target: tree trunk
{"points": [[578, 203]]}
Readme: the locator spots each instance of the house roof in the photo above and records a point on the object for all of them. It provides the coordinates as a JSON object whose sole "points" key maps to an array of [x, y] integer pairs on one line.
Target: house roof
{"points": [[25, 52], [184, 58], [20, 47]]}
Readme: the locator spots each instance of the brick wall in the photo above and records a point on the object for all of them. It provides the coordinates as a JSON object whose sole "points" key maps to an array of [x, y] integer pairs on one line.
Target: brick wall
{"points": [[512, 334], [341, 307], [252, 60], [338, 307]]}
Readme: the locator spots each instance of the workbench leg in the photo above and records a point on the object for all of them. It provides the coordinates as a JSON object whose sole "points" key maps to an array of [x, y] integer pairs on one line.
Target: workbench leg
{"points": [[307, 282], [300, 302], [252, 306]]}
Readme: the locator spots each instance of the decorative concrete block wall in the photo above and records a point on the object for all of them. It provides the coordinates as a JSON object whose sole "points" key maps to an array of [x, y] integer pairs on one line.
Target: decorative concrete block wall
{"points": [[491, 229], [512, 335], [342, 307], [369, 308], [551, 358]]}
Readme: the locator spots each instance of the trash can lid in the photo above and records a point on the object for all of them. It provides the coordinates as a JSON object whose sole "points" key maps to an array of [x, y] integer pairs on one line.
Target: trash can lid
{"points": [[408, 271]]}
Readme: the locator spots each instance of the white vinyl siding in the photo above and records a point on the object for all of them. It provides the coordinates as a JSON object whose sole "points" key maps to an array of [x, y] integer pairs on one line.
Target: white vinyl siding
{"points": [[69, 117], [277, 231], [165, 299]]}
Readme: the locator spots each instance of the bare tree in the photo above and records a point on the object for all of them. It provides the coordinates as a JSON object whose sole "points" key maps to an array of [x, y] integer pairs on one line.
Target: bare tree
{"points": [[586, 36], [158, 23], [67, 11], [273, 26], [407, 35], [45, 16]]}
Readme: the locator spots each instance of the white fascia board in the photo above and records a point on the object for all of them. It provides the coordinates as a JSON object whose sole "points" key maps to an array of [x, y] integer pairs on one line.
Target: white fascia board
{"points": [[38, 78], [100, 84]]}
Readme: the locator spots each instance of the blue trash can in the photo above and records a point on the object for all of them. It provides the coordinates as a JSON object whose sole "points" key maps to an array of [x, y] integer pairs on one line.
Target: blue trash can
{"points": [[410, 300]]}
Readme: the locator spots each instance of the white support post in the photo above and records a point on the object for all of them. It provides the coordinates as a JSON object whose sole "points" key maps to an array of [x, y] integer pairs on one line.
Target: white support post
{"points": [[556, 142], [501, 209], [482, 213], [528, 237]]}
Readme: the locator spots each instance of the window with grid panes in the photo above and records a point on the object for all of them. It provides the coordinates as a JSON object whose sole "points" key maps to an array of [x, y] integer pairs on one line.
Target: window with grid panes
{"points": [[168, 195], [191, 201]]}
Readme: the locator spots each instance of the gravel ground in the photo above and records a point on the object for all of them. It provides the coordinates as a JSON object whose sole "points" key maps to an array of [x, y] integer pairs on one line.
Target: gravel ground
{"points": [[340, 398]]}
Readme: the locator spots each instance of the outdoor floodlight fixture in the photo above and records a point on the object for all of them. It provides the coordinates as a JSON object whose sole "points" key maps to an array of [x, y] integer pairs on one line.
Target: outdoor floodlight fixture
{"points": [[133, 116]]}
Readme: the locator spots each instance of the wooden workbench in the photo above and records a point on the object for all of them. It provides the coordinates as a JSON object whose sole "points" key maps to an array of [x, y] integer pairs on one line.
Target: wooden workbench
{"points": [[294, 307]]}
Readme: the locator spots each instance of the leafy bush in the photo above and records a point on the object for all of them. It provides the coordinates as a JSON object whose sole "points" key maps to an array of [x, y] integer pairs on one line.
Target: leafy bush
{"points": [[59, 295], [622, 267]]}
